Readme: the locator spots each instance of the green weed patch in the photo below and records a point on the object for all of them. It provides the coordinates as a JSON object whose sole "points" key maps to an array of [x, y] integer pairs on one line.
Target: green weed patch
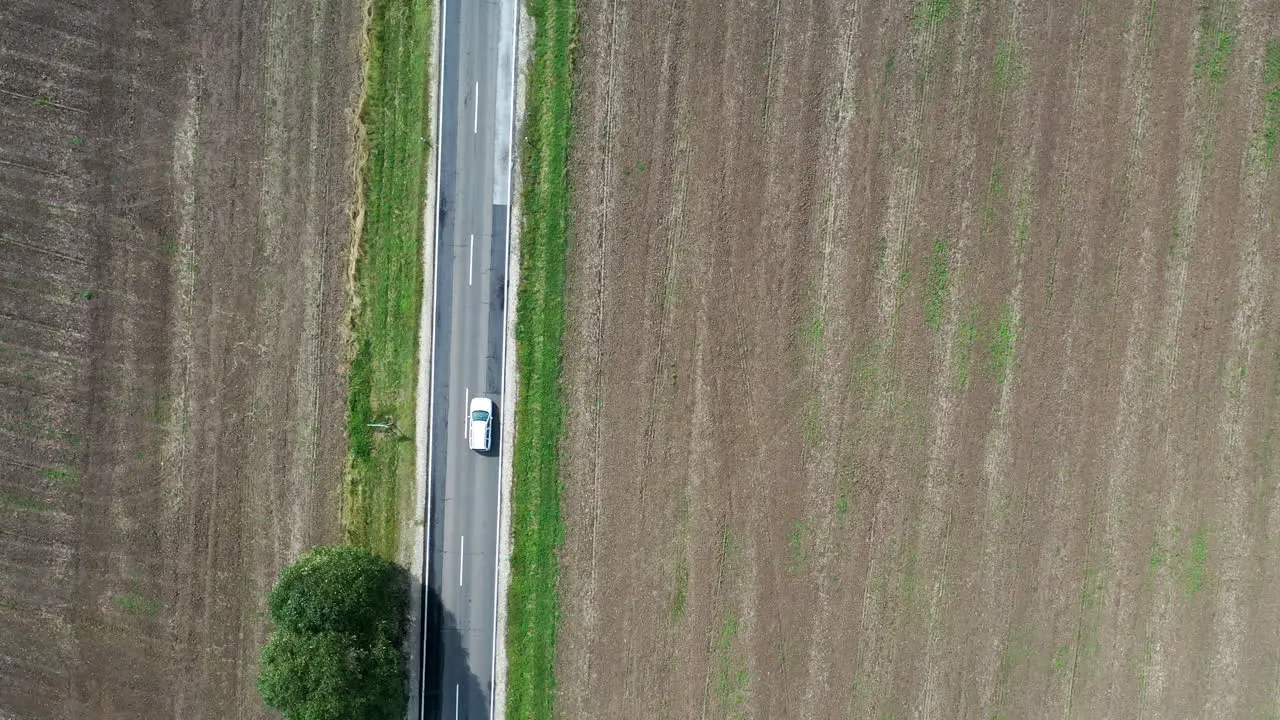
{"points": [[1214, 48], [1004, 335], [937, 283], [1271, 84]]}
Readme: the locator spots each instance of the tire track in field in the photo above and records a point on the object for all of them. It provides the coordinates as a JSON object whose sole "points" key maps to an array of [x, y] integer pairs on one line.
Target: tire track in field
{"points": [[876, 654], [1238, 542], [271, 203], [1266, 513], [1270, 517], [1067, 191], [674, 238], [764, 136], [709, 502], [1201, 112], [1117, 456], [183, 276], [994, 570], [742, 349], [317, 331], [902, 200], [293, 205], [1142, 93], [729, 657], [818, 455], [272, 494], [740, 282], [1031, 621], [821, 360], [772, 63], [704, 463], [939, 492], [607, 145], [586, 408]]}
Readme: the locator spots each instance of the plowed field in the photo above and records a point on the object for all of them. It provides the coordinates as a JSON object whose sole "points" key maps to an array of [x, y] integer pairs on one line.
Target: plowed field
{"points": [[175, 189], [923, 360]]}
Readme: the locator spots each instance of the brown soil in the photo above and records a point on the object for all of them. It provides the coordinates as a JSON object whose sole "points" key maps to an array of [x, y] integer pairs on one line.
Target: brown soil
{"points": [[175, 181], [922, 365]]}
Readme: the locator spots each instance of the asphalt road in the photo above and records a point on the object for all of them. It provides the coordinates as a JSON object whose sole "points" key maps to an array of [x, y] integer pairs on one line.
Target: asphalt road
{"points": [[476, 92]]}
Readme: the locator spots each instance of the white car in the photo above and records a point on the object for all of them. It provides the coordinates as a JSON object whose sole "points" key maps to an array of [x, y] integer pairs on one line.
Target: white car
{"points": [[480, 424]]}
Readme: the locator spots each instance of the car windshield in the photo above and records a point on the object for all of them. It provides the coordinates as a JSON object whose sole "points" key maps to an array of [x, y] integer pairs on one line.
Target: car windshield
{"points": [[480, 416]]}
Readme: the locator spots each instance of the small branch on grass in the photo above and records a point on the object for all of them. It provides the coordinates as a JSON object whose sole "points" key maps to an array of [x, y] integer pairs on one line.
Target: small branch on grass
{"points": [[390, 428]]}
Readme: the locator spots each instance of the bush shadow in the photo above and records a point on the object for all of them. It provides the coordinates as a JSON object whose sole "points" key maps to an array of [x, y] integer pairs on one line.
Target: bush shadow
{"points": [[442, 684]]}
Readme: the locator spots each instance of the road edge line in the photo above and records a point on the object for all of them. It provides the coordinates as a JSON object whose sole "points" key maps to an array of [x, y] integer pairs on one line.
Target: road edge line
{"points": [[421, 548]]}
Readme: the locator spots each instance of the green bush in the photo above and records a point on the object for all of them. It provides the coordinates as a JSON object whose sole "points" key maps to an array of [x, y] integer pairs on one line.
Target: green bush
{"points": [[330, 676], [338, 589], [335, 651]]}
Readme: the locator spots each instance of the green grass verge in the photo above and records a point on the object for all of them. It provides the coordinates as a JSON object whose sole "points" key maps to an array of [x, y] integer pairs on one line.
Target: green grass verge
{"points": [[388, 277], [533, 608]]}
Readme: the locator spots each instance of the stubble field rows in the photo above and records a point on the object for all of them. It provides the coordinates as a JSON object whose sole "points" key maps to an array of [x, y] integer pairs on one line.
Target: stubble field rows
{"points": [[175, 190], [923, 360]]}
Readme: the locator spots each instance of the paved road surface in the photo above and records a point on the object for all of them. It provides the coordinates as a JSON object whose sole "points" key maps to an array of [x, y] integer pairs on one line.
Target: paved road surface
{"points": [[476, 91]]}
